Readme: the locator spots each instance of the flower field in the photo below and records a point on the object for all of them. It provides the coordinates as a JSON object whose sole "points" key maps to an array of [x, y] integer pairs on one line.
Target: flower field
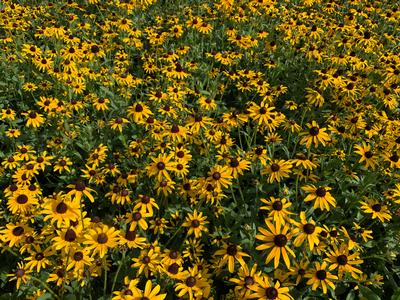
{"points": [[227, 149]]}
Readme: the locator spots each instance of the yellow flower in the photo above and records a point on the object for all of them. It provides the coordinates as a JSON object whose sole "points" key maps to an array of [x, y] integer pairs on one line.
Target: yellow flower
{"points": [[277, 210], [192, 283], [377, 209], [367, 156], [307, 231], [21, 201], [265, 289], [21, 275], [101, 238], [315, 135], [196, 223], [61, 209], [231, 253], [160, 166], [245, 280], [34, 119], [277, 239], [277, 169], [341, 259], [149, 292], [319, 277], [220, 176], [78, 190], [320, 195]]}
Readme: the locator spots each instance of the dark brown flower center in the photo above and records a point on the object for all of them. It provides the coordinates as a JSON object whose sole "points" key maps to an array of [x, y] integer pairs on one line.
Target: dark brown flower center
{"points": [[280, 240], [321, 192], [130, 235], [195, 223], [136, 216], [231, 250], [190, 281], [314, 131], [271, 293], [61, 208], [341, 259], [216, 176], [160, 166], [309, 228], [19, 273], [128, 292], [22, 199], [376, 207], [70, 235], [138, 108], [17, 231], [78, 256], [248, 280], [301, 272], [277, 205], [275, 167], [174, 129], [146, 259], [80, 186], [173, 254], [234, 163], [102, 238], [39, 256], [368, 154], [174, 268], [321, 274]]}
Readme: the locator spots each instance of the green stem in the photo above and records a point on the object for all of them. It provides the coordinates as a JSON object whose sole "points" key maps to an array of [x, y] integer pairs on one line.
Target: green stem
{"points": [[46, 286], [119, 269], [105, 280]]}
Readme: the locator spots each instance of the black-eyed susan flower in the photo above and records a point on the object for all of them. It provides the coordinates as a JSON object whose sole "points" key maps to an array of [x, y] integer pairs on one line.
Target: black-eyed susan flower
{"points": [[149, 292], [229, 254], [306, 230], [320, 277], [277, 209], [147, 262], [130, 287], [191, 284], [196, 223], [266, 289], [377, 209], [34, 119], [78, 258], [21, 201], [367, 156], [276, 238], [21, 275], [80, 189], [161, 166], [344, 261], [38, 259], [61, 209], [277, 170], [15, 234], [246, 278], [315, 135], [320, 195], [101, 238], [220, 177]]}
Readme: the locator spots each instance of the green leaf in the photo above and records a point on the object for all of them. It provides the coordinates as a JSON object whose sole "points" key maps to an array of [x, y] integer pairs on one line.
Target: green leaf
{"points": [[350, 296], [396, 295], [368, 293]]}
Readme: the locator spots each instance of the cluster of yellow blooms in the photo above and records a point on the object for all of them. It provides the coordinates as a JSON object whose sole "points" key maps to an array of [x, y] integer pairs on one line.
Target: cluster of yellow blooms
{"points": [[224, 149]]}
